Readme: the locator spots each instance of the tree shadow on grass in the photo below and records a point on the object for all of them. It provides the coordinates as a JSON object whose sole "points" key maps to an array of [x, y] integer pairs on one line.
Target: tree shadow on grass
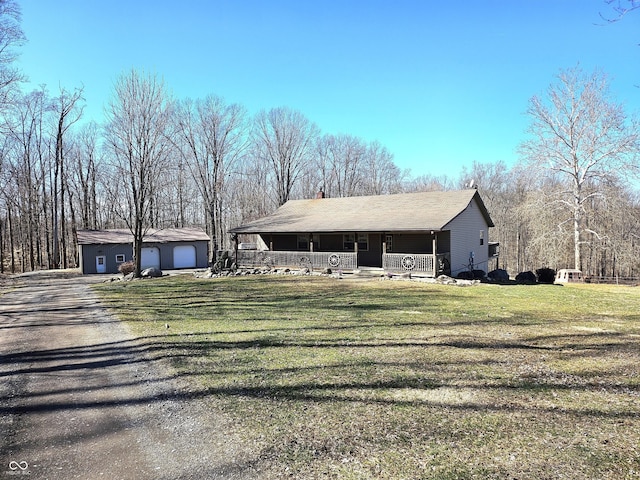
{"points": [[148, 351]]}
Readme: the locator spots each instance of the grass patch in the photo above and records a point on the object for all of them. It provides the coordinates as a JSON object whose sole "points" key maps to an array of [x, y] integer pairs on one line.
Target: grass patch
{"points": [[360, 380]]}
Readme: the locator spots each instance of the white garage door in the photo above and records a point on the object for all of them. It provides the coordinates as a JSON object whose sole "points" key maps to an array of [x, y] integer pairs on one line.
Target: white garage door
{"points": [[184, 256], [150, 258]]}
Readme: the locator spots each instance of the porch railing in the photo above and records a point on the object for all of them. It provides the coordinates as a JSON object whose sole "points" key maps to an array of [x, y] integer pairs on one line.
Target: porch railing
{"points": [[419, 263], [317, 260]]}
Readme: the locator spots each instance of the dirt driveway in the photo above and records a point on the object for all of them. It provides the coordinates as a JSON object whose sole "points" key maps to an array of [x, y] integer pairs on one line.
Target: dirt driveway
{"points": [[80, 398]]}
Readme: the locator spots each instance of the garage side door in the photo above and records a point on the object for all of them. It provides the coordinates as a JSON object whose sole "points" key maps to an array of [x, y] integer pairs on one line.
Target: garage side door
{"points": [[150, 258], [184, 256]]}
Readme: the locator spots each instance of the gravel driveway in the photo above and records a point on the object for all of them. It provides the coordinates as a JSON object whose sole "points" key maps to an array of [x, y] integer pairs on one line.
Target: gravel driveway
{"points": [[81, 398]]}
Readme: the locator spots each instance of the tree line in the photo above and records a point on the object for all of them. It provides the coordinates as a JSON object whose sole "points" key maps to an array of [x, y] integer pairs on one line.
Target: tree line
{"points": [[159, 162]]}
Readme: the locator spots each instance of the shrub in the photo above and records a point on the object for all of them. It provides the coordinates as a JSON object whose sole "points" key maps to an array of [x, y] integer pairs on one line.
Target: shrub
{"points": [[479, 274], [498, 275], [546, 275], [475, 275], [126, 268], [526, 277]]}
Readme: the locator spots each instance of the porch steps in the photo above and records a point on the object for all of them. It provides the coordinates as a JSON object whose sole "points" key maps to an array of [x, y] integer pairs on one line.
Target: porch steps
{"points": [[369, 272]]}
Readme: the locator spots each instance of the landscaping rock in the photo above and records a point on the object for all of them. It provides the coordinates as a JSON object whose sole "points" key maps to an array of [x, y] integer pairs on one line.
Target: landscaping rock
{"points": [[446, 280], [151, 273]]}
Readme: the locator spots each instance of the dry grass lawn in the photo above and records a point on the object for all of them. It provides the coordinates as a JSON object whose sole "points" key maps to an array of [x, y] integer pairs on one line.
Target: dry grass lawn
{"points": [[403, 380]]}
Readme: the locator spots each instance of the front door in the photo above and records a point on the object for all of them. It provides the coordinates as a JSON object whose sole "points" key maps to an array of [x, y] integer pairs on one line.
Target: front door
{"points": [[101, 264]]}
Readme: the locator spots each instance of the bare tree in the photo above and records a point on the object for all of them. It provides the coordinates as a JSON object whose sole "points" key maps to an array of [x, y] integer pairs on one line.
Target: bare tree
{"points": [[137, 122], [68, 111], [284, 139], [620, 9], [341, 159], [11, 37], [580, 136], [27, 168], [248, 191], [380, 174], [85, 174], [213, 137]]}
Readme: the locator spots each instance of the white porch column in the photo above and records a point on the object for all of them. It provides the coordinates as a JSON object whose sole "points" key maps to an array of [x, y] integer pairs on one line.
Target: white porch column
{"points": [[435, 254]]}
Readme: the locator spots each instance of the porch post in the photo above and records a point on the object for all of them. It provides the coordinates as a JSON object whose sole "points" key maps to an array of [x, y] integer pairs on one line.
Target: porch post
{"points": [[311, 242], [235, 247], [355, 247], [271, 242], [435, 254], [384, 243]]}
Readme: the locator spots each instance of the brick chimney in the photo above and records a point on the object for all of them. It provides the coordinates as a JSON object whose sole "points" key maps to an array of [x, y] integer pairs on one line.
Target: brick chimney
{"points": [[320, 194]]}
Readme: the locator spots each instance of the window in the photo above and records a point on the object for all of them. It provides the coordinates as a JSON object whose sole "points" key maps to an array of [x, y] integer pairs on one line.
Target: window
{"points": [[363, 242], [120, 258], [303, 242], [389, 241], [481, 237], [348, 241]]}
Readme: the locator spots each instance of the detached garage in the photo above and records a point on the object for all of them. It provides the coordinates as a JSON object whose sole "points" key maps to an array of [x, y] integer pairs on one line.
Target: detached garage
{"points": [[102, 251], [184, 256]]}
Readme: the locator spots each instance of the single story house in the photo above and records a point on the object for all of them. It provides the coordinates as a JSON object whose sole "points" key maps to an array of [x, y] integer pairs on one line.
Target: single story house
{"points": [[102, 251], [427, 233]]}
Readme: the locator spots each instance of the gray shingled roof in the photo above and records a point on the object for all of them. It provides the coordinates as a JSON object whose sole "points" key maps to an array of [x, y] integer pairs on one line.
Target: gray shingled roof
{"points": [[99, 237], [405, 212]]}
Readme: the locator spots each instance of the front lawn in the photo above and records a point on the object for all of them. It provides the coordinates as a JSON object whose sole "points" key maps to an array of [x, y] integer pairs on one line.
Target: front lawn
{"points": [[329, 378]]}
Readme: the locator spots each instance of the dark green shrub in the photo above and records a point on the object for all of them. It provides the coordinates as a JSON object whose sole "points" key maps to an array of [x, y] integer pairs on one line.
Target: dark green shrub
{"points": [[526, 277], [546, 275], [475, 275]]}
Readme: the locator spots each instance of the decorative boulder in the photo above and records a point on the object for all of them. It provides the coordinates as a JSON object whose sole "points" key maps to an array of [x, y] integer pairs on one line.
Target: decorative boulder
{"points": [[445, 280], [151, 272]]}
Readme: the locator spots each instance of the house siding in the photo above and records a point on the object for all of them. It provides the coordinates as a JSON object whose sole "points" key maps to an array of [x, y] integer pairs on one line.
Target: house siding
{"points": [[412, 243], [89, 252], [331, 243], [465, 238]]}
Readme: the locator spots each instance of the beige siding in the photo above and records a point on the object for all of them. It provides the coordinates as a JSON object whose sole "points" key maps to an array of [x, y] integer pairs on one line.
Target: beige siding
{"points": [[465, 238]]}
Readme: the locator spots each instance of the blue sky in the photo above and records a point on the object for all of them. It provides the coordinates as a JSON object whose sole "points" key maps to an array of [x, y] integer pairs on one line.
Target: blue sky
{"points": [[439, 83]]}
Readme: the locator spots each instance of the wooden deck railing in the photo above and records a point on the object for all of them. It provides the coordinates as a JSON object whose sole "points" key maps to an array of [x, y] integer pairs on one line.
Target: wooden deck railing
{"points": [[425, 264], [312, 260], [433, 265]]}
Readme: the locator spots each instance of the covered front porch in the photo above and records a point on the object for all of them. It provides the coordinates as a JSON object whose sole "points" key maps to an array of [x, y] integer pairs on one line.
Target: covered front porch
{"points": [[418, 253]]}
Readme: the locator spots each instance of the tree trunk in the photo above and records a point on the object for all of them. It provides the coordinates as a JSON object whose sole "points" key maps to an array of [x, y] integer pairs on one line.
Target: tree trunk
{"points": [[12, 246]]}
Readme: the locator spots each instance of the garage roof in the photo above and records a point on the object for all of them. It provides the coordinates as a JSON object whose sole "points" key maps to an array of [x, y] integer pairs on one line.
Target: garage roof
{"points": [[165, 235]]}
